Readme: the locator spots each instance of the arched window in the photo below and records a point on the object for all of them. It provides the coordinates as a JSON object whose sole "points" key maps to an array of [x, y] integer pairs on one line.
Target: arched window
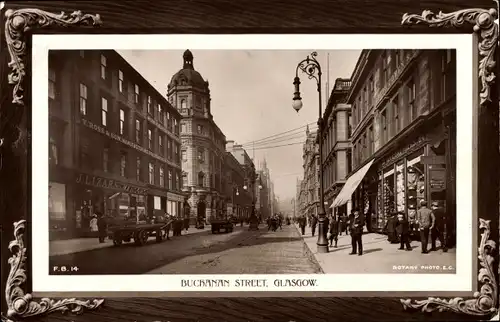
{"points": [[183, 104]]}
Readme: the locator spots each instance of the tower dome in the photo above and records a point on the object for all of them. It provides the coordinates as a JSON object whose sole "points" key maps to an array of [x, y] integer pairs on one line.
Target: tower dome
{"points": [[187, 76]]}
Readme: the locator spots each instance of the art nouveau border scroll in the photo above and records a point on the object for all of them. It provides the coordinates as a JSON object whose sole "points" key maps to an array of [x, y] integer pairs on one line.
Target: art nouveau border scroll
{"points": [[485, 301], [20, 22], [17, 26]]}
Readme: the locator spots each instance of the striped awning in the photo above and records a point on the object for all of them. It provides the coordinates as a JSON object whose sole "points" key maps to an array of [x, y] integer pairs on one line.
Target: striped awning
{"points": [[350, 186]]}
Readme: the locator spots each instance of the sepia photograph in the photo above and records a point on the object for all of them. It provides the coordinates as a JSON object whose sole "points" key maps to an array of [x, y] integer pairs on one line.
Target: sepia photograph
{"points": [[210, 162]]}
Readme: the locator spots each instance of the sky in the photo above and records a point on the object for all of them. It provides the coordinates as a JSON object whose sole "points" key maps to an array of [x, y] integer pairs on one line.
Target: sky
{"points": [[251, 98]]}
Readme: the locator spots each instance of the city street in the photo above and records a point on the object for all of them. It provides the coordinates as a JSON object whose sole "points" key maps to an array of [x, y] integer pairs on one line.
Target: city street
{"points": [[239, 252]]}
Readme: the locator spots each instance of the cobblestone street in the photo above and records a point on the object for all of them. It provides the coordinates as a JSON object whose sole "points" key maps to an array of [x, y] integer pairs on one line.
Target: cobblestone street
{"points": [[239, 252]]}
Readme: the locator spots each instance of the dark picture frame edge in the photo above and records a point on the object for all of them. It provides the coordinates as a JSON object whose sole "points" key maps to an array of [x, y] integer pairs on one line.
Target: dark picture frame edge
{"points": [[18, 24]]}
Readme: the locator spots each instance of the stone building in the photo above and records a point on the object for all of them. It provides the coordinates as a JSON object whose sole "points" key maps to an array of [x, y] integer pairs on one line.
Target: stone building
{"points": [[403, 133], [114, 143], [310, 183], [238, 199], [203, 143], [336, 141]]}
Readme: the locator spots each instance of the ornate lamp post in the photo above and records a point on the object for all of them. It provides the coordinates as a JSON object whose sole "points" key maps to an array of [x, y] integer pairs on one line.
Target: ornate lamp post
{"points": [[254, 221], [311, 67]]}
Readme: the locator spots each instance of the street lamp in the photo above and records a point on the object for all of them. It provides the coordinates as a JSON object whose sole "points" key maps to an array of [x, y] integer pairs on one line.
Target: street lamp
{"points": [[311, 67]]}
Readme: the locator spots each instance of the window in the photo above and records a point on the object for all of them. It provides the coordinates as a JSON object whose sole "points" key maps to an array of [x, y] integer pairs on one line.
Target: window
{"points": [[169, 149], [53, 152], [169, 123], [162, 176], [384, 126], [354, 114], [83, 99], [136, 94], [397, 120], [445, 63], [184, 180], [371, 90], [170, 185], [161, 114], [105, 160], [201, 155], [104, 64], [123, 164], [371, 147], [176, 153], [385, 69], [138, 131], [150, 139], [183, 104], [412, 104], [183, 127], [201, 178], [151, 173], [200, 129], [104, 111], [184, 155], [138, 176], [122, 121], [85, 160], [177, 182], [52, 83], [160, 144], [176, 127], [120, 81]]}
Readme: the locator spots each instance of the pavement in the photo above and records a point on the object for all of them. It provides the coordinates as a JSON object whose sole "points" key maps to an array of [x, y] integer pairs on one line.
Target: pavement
{"points": [[76, 245], [380, 257], [239, 252]]}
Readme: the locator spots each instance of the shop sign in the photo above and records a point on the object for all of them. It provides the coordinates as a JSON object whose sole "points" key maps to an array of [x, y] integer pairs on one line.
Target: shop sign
{"points": [[100, 182], [120, 139], [430, 160], [403, 152]]}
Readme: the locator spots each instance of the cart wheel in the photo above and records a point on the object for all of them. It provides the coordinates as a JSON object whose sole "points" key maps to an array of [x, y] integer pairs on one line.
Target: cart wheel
{"points": [[117, 242], [143, 237], [159, 236]]}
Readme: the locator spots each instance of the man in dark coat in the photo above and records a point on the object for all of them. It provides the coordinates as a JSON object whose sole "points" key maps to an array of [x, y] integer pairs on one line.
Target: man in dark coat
{"points": [[425, 220], [392, 222], [302, 223], [439, 230], [334, 230], [403, 230], [356, 223], [102, 227], [314, 223]]}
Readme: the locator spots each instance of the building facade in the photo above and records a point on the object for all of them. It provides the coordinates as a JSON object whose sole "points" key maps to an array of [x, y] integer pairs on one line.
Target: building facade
{"points": [[311, 183], [404, 124], [336, 134], [263, 204], [239, 199], [203, 143], [114, 143]]}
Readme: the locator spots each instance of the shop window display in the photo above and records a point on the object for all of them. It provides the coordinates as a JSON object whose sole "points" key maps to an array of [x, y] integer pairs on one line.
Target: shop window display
{"points": [[415, 177], [400, 187], [380, 203], [389, 193]]}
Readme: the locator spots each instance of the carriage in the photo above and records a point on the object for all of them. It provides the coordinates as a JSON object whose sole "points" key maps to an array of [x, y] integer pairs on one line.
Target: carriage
{"points": [[219, 224], [138, 232]]}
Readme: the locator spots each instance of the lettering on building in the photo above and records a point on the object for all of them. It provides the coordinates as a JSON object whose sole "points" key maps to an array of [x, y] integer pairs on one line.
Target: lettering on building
{"points": [[408, 149], [100, 182]]}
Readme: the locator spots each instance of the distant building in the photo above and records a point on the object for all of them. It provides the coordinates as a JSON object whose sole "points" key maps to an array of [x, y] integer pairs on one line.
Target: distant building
{"points": [[203, 143], [114, 143], [263, 205], [336, 133], [403, 132], [310, 184]]}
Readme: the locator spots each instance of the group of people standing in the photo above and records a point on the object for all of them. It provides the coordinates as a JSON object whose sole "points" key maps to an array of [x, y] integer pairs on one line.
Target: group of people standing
{"points": [[430, 223]]}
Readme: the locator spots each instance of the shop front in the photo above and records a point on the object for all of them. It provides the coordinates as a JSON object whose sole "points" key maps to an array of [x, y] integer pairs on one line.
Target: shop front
{"points": [[116, 200]]}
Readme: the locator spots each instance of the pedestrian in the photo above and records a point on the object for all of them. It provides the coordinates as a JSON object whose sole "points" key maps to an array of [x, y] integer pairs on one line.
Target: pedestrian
{"points": [[333, 230], [102, 227], [345, 223], [314, 223], [425, 220], [93, 224], [390, 228], [186, 223], [302, 224], [439, 231], [280, 221], [403, 230], [356, 222]]}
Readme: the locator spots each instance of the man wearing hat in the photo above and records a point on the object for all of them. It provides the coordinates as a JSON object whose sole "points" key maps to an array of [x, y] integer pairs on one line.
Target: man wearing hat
{"points": [[425, 220], [439, 230]]}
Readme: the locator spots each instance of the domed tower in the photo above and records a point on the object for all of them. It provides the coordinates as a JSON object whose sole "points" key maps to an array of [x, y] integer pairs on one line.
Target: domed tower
{"points": [[188, 91]]}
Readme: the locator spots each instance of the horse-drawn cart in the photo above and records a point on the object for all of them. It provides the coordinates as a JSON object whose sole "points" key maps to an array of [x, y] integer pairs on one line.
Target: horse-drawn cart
{"points": [[219, 224], [139, 232]]}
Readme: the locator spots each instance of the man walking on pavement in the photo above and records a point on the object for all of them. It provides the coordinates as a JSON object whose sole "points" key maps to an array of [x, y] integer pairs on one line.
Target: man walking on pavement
{"points": [[356, 223], [314, 223], [302, 224], [403, 230], [439, 231], [425, 220]]}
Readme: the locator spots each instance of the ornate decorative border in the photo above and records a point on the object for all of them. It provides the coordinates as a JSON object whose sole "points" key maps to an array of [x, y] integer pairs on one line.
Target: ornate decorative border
{"points": [[485, 302], [17, 26], [20, 22]]}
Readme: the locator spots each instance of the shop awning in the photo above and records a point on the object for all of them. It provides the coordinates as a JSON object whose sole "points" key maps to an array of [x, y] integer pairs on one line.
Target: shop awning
{"points": [[350, 186]]}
